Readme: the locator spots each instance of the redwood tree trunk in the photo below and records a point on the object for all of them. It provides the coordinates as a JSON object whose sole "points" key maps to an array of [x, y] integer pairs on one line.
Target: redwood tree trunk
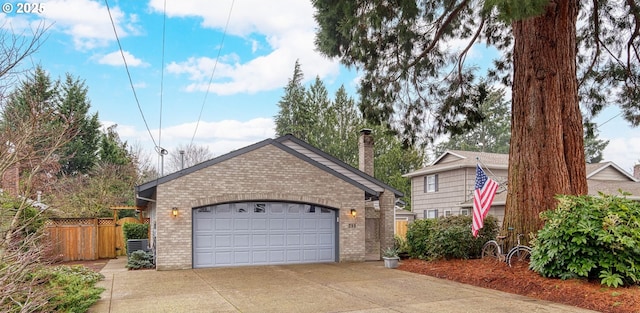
{"points": [[546, 154]]}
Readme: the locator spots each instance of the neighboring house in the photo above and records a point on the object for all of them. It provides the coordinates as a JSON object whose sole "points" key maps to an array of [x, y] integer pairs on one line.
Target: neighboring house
{"points": [[445, 187], [278, 201]]}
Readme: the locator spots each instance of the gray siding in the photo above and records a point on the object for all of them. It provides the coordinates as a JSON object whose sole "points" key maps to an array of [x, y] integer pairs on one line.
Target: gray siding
{"points": [[455, 192], [609, 173]]}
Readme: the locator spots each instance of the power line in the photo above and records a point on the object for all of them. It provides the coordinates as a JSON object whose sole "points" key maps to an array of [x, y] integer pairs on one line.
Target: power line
{"points": [[106, 2], [162, 152], [164, 24], [224, 34], [609, 120]]}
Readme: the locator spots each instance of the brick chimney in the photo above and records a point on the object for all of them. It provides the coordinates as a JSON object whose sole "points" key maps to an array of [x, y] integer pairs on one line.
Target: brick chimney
{"points": [[365, 149], [10, 180], [636, 171]]}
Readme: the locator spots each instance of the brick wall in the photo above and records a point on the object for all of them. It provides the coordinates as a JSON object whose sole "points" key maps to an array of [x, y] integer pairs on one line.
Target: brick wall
{"points": [[267, 173]]}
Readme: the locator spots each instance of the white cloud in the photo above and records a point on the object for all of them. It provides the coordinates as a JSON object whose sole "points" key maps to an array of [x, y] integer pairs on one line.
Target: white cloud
{"points": [[115, 59], [289, 29], [88, 23], [221, 137], [624, 151]]}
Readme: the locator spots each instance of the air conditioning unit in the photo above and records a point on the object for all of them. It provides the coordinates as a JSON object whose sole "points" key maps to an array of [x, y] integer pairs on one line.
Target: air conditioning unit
{"points": [[137, 244]]}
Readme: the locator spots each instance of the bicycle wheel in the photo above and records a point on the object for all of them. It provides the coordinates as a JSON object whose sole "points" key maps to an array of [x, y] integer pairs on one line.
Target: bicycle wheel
{"points": [[519, 256], [491, 250]]}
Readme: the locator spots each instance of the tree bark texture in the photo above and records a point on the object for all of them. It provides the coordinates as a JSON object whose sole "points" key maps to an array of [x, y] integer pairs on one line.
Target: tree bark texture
{"points": [[546, 154]]}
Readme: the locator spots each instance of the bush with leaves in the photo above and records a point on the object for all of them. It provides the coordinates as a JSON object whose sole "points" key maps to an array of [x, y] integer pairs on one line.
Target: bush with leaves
{"points": [[71, 288], [418, 236], [448, 238], [592, 237], [135, 231], [140, 259]]}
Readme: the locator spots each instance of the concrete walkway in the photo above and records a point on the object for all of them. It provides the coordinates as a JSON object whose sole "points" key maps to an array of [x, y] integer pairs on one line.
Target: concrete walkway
{"points": [[333, 287]]}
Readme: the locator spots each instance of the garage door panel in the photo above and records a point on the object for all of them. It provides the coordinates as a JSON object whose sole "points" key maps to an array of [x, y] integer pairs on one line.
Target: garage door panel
{"points": [[326, 224], [309, 224], [204, 241], [223, 241], [259, 240], [293, 239], [293, 224], [277, 256], [204, 257], [277, 240], [241, 257], [203, 224], [325, 253], [241, 224], [223, 224], [276, 224], [310, 239], [242, 240], [223, 258], [261, 233], [310, 255], [294, 256], [260, 257]]}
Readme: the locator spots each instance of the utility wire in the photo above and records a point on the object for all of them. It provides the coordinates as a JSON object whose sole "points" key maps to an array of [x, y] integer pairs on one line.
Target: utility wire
{"points": [[106, 2], [224, 34], [164, 26]]}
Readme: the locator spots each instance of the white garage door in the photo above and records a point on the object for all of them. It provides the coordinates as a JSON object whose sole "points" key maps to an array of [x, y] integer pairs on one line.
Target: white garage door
{"points": [[261, 233]]}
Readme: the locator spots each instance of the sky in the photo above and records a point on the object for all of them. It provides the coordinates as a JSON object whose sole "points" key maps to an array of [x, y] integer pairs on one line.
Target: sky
{"points": [[192, 80]]}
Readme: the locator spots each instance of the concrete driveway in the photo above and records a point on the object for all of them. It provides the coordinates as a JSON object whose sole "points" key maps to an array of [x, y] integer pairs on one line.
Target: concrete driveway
{"points": [[333, 287]]}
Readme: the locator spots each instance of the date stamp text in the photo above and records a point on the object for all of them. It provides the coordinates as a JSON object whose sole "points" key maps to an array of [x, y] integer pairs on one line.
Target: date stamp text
{"points": [[23, 8]]}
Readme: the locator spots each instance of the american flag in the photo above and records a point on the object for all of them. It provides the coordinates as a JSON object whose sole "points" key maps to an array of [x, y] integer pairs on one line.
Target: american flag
{"points": [[483, 195]]}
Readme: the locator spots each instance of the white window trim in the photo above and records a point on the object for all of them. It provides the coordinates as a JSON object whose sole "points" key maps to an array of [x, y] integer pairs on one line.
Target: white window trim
{"points": [[430, 211], [431, 183]]}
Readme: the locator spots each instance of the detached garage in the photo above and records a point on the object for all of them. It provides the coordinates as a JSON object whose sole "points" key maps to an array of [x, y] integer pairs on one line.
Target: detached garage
{"points": [[279, 201]]}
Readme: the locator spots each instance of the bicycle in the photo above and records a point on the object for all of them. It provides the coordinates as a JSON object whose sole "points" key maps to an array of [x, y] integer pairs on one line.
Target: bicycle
{"points": [[517, 254]]}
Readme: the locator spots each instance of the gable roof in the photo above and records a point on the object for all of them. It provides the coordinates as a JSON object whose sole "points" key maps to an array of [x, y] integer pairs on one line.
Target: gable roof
{"points": [[454, 159], [289, 144]]}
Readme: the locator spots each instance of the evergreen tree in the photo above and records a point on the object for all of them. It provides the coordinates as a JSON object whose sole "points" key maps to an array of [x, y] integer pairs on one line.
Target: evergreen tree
{"points": [[80, 154], [490, 135], [290, 117], [553, 62]]}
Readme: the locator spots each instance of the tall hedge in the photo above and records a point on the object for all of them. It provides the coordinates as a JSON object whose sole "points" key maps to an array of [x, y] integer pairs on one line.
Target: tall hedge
{"points": [[448, 238], [596, 237], [135, 231]]}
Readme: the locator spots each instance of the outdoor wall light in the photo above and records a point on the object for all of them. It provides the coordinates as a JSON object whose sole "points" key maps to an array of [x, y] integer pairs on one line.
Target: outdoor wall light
{"points": [[353, 212], [174, 212]]}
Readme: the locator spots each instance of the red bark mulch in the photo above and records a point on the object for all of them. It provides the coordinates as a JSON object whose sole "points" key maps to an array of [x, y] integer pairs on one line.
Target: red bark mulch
{"points": [[522, 281]]}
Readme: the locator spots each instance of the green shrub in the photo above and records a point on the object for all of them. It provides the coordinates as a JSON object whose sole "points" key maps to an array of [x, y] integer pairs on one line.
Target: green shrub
{"points": [[140, 259], [418, 236], [72, 288], [448, 238], [592, 237], [135, 231]]}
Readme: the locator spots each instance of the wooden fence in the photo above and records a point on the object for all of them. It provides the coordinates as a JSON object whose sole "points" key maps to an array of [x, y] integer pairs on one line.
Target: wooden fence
{"points": [[401, 229], [75, 239]]}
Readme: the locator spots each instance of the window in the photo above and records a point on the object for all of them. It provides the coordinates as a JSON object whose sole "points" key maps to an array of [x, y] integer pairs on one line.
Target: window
{"points": [[310, 209], [241, 207], [433, 213], [447, 213], [260, 208], [431, 183], [464, 212]]}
